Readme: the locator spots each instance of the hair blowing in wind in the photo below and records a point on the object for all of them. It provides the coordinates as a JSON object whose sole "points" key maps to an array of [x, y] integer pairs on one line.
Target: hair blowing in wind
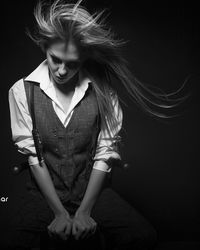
{"points": [[104, 60]]}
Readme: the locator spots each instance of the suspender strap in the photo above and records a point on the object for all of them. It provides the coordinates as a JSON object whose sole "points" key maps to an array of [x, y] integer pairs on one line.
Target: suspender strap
{"points": [[31, 102], [36, 137]]}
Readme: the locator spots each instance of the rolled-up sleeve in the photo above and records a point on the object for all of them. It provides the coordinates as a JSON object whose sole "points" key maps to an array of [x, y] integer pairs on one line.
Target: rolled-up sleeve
{"points": [[107, 145], [21, 123]]}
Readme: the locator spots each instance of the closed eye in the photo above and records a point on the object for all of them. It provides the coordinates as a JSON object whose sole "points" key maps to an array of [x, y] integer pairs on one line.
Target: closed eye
{"points": [[55, 59], [70, 64], [73, 65]]}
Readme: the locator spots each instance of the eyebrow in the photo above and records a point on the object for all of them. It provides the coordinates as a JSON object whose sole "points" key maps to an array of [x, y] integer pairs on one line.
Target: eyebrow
{"points": [[72, 60]]}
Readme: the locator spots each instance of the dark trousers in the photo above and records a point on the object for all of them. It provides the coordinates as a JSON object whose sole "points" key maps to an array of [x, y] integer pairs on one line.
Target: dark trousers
{"points": [[120, 226]]}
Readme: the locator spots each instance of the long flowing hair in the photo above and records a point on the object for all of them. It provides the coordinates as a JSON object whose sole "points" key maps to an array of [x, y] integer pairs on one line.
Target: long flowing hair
{"points": [[65, 21]]}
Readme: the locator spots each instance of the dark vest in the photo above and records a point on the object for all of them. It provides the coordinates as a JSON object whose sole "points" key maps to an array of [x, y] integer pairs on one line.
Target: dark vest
{"points": [[68, 152]]}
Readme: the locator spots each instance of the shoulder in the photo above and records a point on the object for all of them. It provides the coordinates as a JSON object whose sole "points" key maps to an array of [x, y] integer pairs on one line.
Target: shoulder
{"points": [[41, 72], [17, 92], [17, 87]]}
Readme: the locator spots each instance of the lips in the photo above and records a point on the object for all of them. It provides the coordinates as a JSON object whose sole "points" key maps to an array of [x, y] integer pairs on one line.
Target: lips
{"points": [[61, 79]]}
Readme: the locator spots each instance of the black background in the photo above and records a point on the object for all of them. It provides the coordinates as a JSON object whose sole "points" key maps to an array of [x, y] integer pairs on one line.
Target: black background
{"points": [[163, 49]]}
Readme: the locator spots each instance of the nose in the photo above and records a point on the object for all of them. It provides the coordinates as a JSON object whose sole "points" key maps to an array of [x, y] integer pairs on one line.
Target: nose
{"points": [[62, 70]]}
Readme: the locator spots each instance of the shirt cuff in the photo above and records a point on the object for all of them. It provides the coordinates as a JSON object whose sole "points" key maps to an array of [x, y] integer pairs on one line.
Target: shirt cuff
{"points": [[32, 160], [102, 166]]}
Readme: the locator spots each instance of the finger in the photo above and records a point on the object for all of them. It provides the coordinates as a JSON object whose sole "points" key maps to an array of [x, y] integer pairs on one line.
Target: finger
{"points": [[88, 227], [74, 229], [60, 228], [93, 229], [79, 231], [84, 233], [94, 226], [53, 235], [63, 236], [50, 231], [51, 226], [93, 222], [89, 232], [68, 229], [78, 234], [91, 225]]}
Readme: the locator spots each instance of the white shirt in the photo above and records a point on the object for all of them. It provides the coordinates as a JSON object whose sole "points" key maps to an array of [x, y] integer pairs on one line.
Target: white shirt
{"points": [[21, 123]]}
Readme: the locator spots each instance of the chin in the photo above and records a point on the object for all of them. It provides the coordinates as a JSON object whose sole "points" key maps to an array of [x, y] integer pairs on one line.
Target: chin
{"points": [[61, 82], [65, 80]]}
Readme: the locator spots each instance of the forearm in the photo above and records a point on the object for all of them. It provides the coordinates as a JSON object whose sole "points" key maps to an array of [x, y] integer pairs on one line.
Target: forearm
{"points": [[43, 179], [94, 187]]}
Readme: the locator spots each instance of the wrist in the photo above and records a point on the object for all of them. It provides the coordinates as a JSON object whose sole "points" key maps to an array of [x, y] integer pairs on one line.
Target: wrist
{"points": [[83, 210], [62, 212]]}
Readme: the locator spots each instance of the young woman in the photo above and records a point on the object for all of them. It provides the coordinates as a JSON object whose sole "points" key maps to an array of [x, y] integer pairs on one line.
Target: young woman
{"points": [[78, 117]]}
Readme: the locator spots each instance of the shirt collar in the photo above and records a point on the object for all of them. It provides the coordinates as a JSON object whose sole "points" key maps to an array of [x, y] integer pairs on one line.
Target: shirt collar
{"points": [[41, 76]]}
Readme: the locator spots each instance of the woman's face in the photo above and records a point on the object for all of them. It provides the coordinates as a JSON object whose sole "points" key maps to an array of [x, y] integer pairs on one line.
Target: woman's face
{"points": [[63, 61]]}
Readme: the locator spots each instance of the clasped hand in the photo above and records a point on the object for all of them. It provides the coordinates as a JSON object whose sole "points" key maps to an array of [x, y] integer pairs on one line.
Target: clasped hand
{"points": [[80, 226]]}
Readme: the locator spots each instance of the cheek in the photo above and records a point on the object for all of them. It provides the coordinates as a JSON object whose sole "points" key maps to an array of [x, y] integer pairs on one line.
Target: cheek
{"points": [[73, 72], [53, 68], [51, 65]]}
